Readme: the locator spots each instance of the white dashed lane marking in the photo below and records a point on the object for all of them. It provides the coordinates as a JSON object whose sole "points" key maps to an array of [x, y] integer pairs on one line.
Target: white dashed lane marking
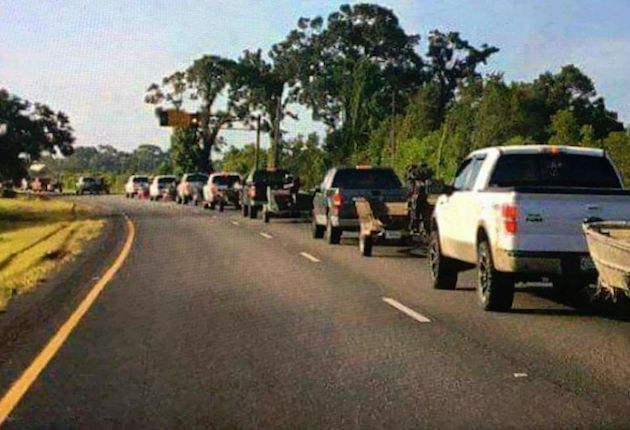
{"points": [[266, 235], [310, 257], [407, 311]]}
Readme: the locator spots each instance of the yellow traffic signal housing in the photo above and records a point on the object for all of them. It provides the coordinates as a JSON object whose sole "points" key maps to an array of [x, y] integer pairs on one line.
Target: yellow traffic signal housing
{"points": [[177, 118]]}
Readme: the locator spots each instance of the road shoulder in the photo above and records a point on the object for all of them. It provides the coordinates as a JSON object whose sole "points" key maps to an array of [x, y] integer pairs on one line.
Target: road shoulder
{"points": [[33, 318]]}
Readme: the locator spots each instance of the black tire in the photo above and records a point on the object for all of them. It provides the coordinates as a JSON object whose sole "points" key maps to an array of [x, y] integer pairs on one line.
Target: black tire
{"points": [[213, 205], [244, 211], [253, 212], [333, 234], [266, 216], [317, 230], [365, 245], [221, 206], [443, 269], [494, 289]]}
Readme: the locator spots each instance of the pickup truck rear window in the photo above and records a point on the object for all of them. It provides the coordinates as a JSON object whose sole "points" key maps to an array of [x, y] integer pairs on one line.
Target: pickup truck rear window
{"points": [[197, 178], [225, 180], [270, 176], [140, 180], [554, 170], [364, 179], [168, 180]]}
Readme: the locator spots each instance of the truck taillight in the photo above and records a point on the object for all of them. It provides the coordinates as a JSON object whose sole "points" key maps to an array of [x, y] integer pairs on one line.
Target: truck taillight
{"points": [[214, 188], [509, 213], [252, 191], [337, 199]]}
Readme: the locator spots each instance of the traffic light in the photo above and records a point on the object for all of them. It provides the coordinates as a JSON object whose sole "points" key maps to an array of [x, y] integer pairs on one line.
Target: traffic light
{"points": [[176, 118]]}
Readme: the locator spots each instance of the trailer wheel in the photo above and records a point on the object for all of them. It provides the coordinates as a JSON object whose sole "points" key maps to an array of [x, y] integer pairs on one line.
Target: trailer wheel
{"points": [[495, 289], [317, 230], [443, 270], [365, 245], [333, 234]]}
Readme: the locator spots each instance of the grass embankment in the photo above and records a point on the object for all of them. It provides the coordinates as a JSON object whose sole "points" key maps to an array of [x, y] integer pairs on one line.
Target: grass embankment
{"points": [[37, 236]]}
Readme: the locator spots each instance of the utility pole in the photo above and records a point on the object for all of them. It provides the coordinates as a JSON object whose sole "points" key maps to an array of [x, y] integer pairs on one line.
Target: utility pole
{"points": [[278, 136], [257, 151], [392, 136]]}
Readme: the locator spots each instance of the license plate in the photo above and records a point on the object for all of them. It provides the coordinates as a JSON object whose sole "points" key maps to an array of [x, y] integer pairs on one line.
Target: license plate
{"points": [[390, 235], [586, 264]]}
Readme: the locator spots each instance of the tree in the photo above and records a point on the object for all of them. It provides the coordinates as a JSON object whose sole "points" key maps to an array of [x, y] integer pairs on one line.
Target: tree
{"points": [[359, 62], [29, 130], [258, 88], [186, 153], [617, 144], [564, 128], [451, 60], [201, 83]]}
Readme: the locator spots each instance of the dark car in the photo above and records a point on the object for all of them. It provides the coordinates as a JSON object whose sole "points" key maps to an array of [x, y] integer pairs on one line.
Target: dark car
{"points": [[334, 210], [89, 184], [254, 194]]}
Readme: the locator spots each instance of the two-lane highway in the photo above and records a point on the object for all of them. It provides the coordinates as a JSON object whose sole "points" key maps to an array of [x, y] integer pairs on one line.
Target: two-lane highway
{"points": [[217, 321]]}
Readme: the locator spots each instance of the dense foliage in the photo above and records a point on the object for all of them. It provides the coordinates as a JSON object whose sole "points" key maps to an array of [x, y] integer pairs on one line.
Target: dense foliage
{"points": [[26, 131]]}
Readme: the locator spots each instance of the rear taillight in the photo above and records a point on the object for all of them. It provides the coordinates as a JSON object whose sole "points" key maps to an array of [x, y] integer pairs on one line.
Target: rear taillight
{"points": [[509, 214], [214, 188], [252, 191], [337, 199]]}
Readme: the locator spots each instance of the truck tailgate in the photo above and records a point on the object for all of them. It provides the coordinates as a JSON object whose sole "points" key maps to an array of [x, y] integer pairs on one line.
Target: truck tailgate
{"points": [[553, 222]]}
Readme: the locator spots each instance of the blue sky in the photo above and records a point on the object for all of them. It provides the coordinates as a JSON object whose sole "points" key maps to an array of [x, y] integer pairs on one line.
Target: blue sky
{"points": [[94, 59]]}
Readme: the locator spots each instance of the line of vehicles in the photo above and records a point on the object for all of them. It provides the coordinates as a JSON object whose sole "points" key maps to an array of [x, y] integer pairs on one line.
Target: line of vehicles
{"points": [[514, 213]]}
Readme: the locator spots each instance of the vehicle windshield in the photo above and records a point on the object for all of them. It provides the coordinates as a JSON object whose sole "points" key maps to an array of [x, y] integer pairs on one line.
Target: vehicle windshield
{"points": [[227, 180], [361, 179], [554, 170], [270, 176], [197, 178], [140, 180]]}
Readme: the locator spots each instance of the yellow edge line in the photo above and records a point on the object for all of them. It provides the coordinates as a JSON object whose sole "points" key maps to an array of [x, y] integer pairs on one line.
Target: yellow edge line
{"points": [[21, 386]]}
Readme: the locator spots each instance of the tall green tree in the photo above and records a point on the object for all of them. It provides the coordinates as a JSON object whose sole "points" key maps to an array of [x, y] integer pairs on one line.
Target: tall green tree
{"points": [[27, 130], [359, 59], [201, 84], [450, 60]]}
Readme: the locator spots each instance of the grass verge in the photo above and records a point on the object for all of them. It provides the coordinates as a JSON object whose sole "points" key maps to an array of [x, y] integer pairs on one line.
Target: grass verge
{"points": [[38, 236]]}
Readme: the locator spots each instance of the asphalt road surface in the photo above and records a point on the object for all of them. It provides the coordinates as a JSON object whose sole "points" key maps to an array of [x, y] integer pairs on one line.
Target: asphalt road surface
{"points": [[216, 321]]}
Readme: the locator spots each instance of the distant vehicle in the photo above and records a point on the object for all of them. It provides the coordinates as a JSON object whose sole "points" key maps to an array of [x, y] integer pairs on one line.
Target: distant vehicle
{"points": [[91, 185], [254, 194], [287, 200], [190, 188], [223, 189], [334, 210], [134, 184], [516, 213], [160, 186]]}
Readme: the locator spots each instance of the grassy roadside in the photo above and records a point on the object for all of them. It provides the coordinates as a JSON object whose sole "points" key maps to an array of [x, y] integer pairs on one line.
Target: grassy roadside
{"points": [[38, 236]]}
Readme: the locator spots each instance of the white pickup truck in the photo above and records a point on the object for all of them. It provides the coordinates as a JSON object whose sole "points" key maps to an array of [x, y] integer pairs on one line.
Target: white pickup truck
{"points": [[516, 213]]}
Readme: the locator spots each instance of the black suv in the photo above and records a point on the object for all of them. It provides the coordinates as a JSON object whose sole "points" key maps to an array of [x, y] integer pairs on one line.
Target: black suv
{"points": [[88, 184], [333, 205], [255, 190]]}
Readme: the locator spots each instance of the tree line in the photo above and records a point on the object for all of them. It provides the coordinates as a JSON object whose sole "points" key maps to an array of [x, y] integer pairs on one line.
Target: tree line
{"points": [[382, 102]]}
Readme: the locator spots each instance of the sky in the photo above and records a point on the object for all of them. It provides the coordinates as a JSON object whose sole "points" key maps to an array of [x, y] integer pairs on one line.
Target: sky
{"points": [[94, 59]]}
